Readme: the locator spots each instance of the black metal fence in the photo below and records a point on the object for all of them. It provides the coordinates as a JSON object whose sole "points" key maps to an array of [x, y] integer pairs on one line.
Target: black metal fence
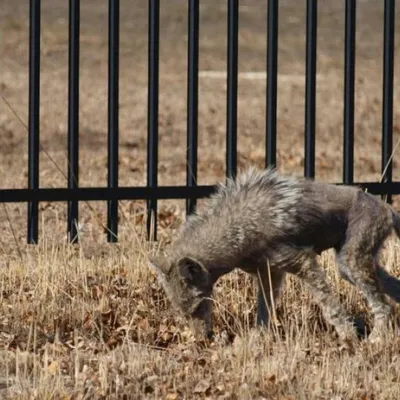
{"points": [[152, 192]]}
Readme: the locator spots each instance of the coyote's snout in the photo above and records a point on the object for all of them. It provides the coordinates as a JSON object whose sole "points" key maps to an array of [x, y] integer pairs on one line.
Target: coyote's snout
{"points": [[265, 219], [188, 286]]}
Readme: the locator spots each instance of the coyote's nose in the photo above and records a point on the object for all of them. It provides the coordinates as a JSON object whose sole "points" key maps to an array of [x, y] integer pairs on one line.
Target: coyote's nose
{"points": [[209, 334]]}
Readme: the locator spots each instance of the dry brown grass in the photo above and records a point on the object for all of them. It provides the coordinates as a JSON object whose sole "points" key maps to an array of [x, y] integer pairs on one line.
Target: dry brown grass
{"points": [[90, 321]]}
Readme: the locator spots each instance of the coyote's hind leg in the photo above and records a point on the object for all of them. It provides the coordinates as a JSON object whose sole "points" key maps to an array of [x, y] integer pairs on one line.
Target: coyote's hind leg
{"points": [[314, 276], [368, 227], [360, 267]]}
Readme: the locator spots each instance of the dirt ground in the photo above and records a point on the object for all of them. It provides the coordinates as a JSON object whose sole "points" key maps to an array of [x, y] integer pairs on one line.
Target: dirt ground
{"points": [[95, 258]]}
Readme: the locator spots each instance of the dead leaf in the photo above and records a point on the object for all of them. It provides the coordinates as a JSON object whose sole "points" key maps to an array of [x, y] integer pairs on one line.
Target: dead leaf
{"points": [[97, 292], [171, 396], [202, 386], [220, 387], [53, 368], [201, 361]]}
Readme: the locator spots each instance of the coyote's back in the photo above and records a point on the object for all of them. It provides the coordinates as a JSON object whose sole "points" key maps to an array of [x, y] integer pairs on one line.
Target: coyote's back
{"points": [[261, 208]]}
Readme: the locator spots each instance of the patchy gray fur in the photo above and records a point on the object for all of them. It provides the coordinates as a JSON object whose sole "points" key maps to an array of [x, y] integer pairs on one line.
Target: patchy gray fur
{"points": [[266, 219]]}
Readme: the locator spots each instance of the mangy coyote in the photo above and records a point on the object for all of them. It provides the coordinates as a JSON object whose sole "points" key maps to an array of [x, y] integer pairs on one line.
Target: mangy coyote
{"points": [[268, 225]]}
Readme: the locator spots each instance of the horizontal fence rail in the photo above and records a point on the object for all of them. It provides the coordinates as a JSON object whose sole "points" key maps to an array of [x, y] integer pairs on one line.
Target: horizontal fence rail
{"points": [[112, 193], [146, 193]]}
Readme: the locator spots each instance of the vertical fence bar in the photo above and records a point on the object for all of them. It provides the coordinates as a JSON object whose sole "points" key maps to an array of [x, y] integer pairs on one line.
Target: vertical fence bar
{"points": [[192, 95], [152, 114], [271, 103], [113, 116], [311, 71], [272, 80], [232, 88], [387, 106], [349, 76], [73, 115], [34, 117]]}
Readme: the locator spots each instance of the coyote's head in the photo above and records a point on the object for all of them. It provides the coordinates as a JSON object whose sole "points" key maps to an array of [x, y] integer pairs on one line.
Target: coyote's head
{"points": [[188, 286]]}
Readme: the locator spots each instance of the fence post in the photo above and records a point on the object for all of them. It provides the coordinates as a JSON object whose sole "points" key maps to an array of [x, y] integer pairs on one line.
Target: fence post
{"points": [[272, 85], [113, 116], [152, 114], [192, 100], [232, 89], [311, 71], [349, 76], [272, 80], [387, 106], [34, 117], [73, 116]]}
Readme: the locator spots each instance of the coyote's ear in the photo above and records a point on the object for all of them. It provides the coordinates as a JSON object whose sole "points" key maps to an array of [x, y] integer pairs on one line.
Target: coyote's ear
{"points": [[193, 271]]}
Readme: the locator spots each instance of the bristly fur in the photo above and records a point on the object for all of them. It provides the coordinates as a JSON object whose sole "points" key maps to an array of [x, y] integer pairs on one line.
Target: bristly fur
{"points": [[256, 206], [263, 218]]}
